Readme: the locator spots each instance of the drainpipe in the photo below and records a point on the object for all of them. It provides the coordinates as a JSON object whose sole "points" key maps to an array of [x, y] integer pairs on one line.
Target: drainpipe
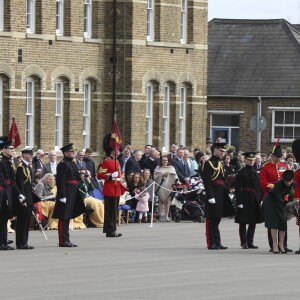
{"points": [[258, 132]]}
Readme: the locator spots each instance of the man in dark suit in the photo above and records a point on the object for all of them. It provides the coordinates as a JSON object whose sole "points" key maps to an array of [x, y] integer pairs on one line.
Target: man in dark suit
{"points": [[24, 180], [90, 166], [172, 153], [123, 158], [69, 203], [37, 165], [51, 166], [146, 154], [80, 161], [151, 161], [181, 166], [132, 164]]}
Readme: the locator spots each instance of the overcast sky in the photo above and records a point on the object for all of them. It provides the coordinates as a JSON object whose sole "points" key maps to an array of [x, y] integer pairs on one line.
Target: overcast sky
{"points": [[255, 9]]}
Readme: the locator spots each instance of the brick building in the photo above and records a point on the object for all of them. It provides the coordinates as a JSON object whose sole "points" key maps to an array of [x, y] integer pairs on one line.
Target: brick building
{"points": [[56, 71], [253, 68]]}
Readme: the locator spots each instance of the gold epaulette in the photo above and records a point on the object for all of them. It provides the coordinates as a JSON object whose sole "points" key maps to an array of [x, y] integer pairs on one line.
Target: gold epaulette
{"points": [[25, 172], [102, 170]]}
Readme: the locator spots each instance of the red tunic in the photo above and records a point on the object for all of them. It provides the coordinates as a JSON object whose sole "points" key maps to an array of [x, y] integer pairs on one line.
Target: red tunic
{"points": [[269, 174], [111, 187], [297, 190]]}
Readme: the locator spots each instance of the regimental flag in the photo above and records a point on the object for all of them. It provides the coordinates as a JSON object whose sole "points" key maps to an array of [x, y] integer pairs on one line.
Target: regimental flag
{"points": [[14, 135], [115, 139]]}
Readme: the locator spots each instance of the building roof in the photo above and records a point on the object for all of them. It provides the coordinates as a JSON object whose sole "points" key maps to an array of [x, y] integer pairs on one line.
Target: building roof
{"points": [[253, 58]]}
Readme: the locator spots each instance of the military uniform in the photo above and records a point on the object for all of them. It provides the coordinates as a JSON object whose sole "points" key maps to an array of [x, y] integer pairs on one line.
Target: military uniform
{"points": [[69, 203], [112, 192], [213, 179]]}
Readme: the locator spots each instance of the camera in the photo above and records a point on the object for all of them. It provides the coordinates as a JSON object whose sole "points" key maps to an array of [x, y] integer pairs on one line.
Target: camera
{"points": [[86, 175]]}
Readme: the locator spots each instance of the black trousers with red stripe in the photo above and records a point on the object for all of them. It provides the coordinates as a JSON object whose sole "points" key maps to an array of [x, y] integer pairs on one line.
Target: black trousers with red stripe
{"points": [[3, 223], [213, 237], [247, 235], [63, 231]]}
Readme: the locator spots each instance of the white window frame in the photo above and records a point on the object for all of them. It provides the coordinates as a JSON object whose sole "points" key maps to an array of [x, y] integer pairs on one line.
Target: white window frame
{"points": [[1, 105], [282, 109], [59, 13], [59, 113], [149, 113], [30, 102], [182, 114], [183, 38], [166, 118], [30, 16], [150, 20], [86, 134], [1, 15], [88, 18]]}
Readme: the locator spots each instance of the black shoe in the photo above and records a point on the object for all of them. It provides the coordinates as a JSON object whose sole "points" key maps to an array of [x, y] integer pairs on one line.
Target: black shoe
{"points": [[3, 247], [244, 246], [73, 244], [297, 252], [288, 250], [113, 234], [270, 250], [251, 246], [214, 247], [66, 244], [10, 242], [223, 247], [25, 247]]}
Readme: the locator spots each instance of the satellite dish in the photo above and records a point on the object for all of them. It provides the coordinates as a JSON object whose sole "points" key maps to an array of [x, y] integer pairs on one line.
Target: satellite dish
{"points": [[262, 123]]}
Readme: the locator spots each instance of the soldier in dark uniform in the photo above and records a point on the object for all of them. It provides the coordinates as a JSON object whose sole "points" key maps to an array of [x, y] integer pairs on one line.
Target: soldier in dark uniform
{"points": [[247, 191], [110, 171], [24, 180], [218, 203], [69, 203]]}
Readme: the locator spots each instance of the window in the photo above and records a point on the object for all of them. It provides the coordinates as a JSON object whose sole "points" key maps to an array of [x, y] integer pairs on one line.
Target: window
{"points": [[1, 15], [59, 17], [29, 129], [30, 16], [183, 21], [87, 18], [1, 106], [166, 119], [182, 105], [149, 114], [59, 98], [285, 124], [86, 114], [150, 20]]}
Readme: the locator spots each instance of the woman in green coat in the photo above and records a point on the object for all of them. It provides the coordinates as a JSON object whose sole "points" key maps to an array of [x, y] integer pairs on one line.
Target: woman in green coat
{"points": [[273, 208]]}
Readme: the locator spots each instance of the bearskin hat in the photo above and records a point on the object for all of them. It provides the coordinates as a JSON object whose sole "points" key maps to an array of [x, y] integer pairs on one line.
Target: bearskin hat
{"points": [[106, 147], [296, 149]]}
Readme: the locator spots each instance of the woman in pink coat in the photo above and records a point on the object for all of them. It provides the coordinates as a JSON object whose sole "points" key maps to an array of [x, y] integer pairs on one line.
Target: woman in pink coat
{"points": [[142, 207]]}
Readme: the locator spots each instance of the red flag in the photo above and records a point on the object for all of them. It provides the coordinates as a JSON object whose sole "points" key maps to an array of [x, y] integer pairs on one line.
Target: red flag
{"points": [[116, 139], [14, 135]]}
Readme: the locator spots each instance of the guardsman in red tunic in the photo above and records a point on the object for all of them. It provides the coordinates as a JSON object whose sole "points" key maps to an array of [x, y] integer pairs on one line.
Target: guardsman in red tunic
{"points": [[110, 171], [271, 172], [296, 152]]}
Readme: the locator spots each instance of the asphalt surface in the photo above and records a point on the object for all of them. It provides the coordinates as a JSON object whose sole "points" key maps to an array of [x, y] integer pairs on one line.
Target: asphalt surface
{"points": [[167, 261]]}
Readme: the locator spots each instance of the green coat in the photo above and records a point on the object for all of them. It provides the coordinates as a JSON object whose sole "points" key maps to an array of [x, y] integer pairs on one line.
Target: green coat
{"points": [[274, 203]]}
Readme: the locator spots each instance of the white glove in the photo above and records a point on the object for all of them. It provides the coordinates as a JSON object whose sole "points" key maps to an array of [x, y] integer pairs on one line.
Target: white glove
{"points": [[240, 206], [115, 174], [212, 201], [22, 199], [63, 200]]}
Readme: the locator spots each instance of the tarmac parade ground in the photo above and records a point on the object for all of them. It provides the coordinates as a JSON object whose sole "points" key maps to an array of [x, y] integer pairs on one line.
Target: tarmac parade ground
{"points": [[167, 261]]}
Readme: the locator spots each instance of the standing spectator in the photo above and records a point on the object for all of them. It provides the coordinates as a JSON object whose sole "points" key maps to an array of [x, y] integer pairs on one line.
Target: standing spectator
{"points": [[270, 173], [51, 166], [257, 163], [142, 196], [122, 158], [151, 161], [218, 204], [172, 153], [69, 203], [200, 159], [132, 164], [247, 193], [90, 166], [263, 158], [24, 181], [37, 165], [146, 154], [80, 161], [290, 161], [181, 166], [193, 166], [147, 181], [208, 144], [165, 176], [230, 171]]}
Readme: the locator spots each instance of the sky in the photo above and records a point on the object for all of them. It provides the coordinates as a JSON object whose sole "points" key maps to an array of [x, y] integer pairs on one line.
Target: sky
{"points": [[255, 9]]}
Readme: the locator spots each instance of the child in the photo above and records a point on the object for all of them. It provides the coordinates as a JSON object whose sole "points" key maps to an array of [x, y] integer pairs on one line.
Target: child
{"points": [[142, 207]]}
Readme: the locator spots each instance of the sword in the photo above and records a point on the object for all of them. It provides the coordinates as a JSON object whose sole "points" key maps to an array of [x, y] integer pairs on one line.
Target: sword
{"points": [[40, 226]]}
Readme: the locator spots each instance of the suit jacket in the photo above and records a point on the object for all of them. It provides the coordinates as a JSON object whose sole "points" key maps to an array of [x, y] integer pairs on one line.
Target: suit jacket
{"points": [[150, 164], [36, 164], [132, 165], [81, 165], [47, 169], [182, 169]]}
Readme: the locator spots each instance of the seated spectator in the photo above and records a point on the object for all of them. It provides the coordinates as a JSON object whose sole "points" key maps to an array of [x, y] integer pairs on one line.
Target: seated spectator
{"points": [[46, 191], [85, 187]]}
